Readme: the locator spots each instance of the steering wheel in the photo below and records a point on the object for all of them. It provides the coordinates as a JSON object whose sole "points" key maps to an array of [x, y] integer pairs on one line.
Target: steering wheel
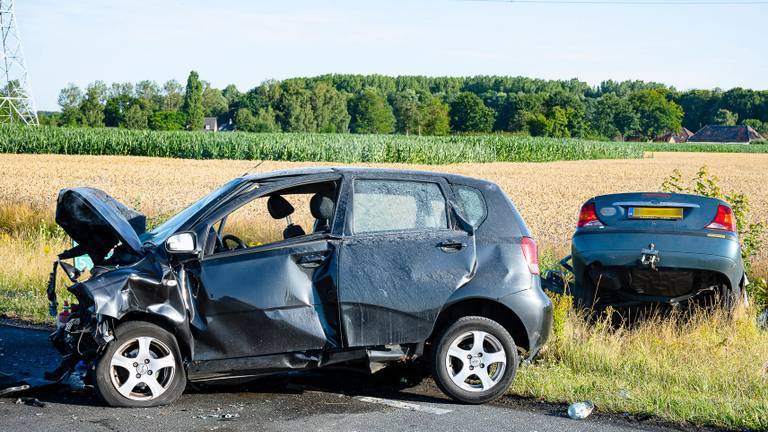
{"points": [[234, 238]]}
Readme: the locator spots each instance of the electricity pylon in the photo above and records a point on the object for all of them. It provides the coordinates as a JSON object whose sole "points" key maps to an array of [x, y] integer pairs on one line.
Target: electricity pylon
{"points": [[16, 104]]}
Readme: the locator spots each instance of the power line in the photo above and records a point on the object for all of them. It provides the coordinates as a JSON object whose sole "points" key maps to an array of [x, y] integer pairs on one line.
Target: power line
{"points": [[636, 2]]}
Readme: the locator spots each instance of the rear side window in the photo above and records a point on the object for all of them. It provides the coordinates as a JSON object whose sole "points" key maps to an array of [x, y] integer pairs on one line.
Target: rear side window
{"points": [[471, 204], [394, 205]]}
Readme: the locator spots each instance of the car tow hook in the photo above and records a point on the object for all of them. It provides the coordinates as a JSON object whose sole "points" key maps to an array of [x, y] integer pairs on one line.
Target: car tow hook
{"points": [[649, 257]]}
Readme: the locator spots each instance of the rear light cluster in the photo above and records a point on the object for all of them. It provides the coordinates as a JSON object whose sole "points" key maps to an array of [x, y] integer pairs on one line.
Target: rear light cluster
{"points": [[588, 216], [531, 254], [723, 220]]}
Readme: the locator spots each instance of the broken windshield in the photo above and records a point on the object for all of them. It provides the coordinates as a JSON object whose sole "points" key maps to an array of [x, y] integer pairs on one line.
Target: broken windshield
{"points": [[161, 232]]}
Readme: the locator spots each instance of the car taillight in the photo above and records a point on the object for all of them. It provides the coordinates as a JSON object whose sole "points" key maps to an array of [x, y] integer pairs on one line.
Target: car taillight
{"points": [[588, 216], [531, 254], [723, 220]]}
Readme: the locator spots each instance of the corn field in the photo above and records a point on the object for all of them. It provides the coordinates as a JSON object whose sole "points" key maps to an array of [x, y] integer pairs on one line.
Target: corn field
{"points": [[345, 148]]}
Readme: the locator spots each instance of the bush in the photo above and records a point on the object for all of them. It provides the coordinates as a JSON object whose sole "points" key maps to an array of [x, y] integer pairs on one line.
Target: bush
{"points": [[750, 233]]}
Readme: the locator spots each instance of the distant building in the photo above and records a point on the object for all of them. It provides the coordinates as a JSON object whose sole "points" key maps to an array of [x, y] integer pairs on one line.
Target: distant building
{"points": [[675, 137], [726, 134], [210, 124]]}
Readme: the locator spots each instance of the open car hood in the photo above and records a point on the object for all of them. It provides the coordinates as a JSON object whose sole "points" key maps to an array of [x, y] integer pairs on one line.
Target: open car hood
{"points": [[98, 222]]}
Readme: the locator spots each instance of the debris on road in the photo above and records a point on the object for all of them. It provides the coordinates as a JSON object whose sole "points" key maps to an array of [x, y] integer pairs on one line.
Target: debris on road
{"points": [[219, 416], [35, 402], [580, 410]]}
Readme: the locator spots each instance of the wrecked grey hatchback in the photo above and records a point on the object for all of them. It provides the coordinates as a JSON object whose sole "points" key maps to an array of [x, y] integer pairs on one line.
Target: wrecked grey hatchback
{"points": [[303, 269]]}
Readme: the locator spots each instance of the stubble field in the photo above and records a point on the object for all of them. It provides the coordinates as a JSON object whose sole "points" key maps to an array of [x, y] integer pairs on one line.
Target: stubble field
{"points": [[547, 194]]}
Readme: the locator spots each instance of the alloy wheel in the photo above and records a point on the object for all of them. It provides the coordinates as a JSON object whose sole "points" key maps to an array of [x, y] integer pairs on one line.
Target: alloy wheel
{"points": [[476, 361], [142, 368]]}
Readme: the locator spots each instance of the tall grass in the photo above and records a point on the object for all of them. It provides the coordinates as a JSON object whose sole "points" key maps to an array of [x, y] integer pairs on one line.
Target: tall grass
{"points": [[704, 369]]}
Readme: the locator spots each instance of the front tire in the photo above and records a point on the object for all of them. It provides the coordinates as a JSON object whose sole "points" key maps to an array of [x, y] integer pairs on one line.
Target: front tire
{"points": [[141, 368], [474, 360]]}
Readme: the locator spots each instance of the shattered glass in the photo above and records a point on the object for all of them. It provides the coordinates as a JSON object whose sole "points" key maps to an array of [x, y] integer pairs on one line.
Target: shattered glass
{"points": [[386, 205]]}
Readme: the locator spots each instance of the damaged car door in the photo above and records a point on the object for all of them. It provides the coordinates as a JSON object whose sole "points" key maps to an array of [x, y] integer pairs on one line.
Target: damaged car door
{"points": [[263, 299], [402, 256]]}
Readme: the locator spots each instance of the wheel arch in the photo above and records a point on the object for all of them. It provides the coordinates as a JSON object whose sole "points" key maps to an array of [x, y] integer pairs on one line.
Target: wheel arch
{"points": [[484, 307], [182, 339]]}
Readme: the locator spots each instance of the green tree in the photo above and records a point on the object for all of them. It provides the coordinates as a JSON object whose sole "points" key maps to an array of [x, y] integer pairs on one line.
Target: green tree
{"points": [[244, 120], [265, 121], [12, 89], [330, 109], [613, 116], [469, 114], [149, 95], [657, 115], [559, 123], [173, 97], [405, 105], [70, 98], [116, 108], [760, 127], [371, 113], [135, 118], [91, 107], [724, 117], [167, 120], [539, 125], [295, 107], [433, 117], [47, 118], [120, 89], [232, 94], [193, 102], [214, 102]]}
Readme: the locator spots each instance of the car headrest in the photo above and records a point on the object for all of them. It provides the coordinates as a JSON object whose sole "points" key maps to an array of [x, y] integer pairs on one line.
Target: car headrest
{"points": [[321, 206], [279, 207]]}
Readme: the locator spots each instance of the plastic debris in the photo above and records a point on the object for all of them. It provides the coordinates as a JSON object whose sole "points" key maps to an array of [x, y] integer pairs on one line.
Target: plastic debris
{"points": [[762, 320], [76, 379], [625, 394], [222, 417], [35, 402], [580, 410]]}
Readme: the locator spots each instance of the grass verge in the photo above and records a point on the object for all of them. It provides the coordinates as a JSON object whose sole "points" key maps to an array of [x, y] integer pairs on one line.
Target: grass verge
{"points": [[709, 369]]}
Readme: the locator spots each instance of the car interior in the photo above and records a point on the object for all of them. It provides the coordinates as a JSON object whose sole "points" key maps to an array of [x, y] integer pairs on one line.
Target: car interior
{"points": [[290, 213]]}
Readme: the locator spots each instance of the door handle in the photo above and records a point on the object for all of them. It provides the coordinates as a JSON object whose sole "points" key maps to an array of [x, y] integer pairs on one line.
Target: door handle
{"points": [[311, 261], [452, 245]]}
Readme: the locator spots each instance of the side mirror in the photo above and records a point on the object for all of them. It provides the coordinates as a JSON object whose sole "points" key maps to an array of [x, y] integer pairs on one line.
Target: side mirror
{"points": [[183, 243]]}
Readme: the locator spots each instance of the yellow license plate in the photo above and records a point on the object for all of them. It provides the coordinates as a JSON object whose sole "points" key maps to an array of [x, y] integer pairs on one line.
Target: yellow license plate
{"points": [[656, 212]]}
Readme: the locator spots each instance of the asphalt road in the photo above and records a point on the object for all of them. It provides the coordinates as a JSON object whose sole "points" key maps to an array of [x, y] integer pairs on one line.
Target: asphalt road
{"points": [[329, 401]]}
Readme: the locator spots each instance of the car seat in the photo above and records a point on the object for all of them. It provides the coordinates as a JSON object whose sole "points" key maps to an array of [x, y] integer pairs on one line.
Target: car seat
{"points": [[279, 208]]}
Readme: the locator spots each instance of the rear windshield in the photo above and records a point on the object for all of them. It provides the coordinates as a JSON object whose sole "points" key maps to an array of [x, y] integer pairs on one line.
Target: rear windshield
{"points": [[471, 204]]}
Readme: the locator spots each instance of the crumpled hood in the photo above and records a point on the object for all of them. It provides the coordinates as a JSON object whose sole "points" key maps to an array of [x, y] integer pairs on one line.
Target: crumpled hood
{"points": [[98, 222]]}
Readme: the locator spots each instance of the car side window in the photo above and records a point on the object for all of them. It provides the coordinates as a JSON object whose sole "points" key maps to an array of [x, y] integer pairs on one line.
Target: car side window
{"points": [[471, 204], [397, 205]]}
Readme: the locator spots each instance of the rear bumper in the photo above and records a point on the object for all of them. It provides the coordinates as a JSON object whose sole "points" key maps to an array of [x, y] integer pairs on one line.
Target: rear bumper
{"points": [[534, 309], [675, 252]]}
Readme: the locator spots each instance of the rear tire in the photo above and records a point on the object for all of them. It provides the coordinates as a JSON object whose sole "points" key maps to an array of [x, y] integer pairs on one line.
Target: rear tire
{"points": [[474, 360], [141, 368]]}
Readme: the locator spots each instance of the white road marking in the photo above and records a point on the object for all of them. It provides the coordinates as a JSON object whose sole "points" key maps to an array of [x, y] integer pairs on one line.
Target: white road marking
{"points": [[404, 405]]}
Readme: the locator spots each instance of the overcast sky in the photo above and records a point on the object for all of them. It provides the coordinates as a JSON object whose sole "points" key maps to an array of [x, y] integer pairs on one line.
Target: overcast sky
{"points": [[246, 42]]}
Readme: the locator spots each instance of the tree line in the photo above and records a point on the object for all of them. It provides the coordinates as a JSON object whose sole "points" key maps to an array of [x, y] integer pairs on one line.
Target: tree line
{"points": [[339, 103]]}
